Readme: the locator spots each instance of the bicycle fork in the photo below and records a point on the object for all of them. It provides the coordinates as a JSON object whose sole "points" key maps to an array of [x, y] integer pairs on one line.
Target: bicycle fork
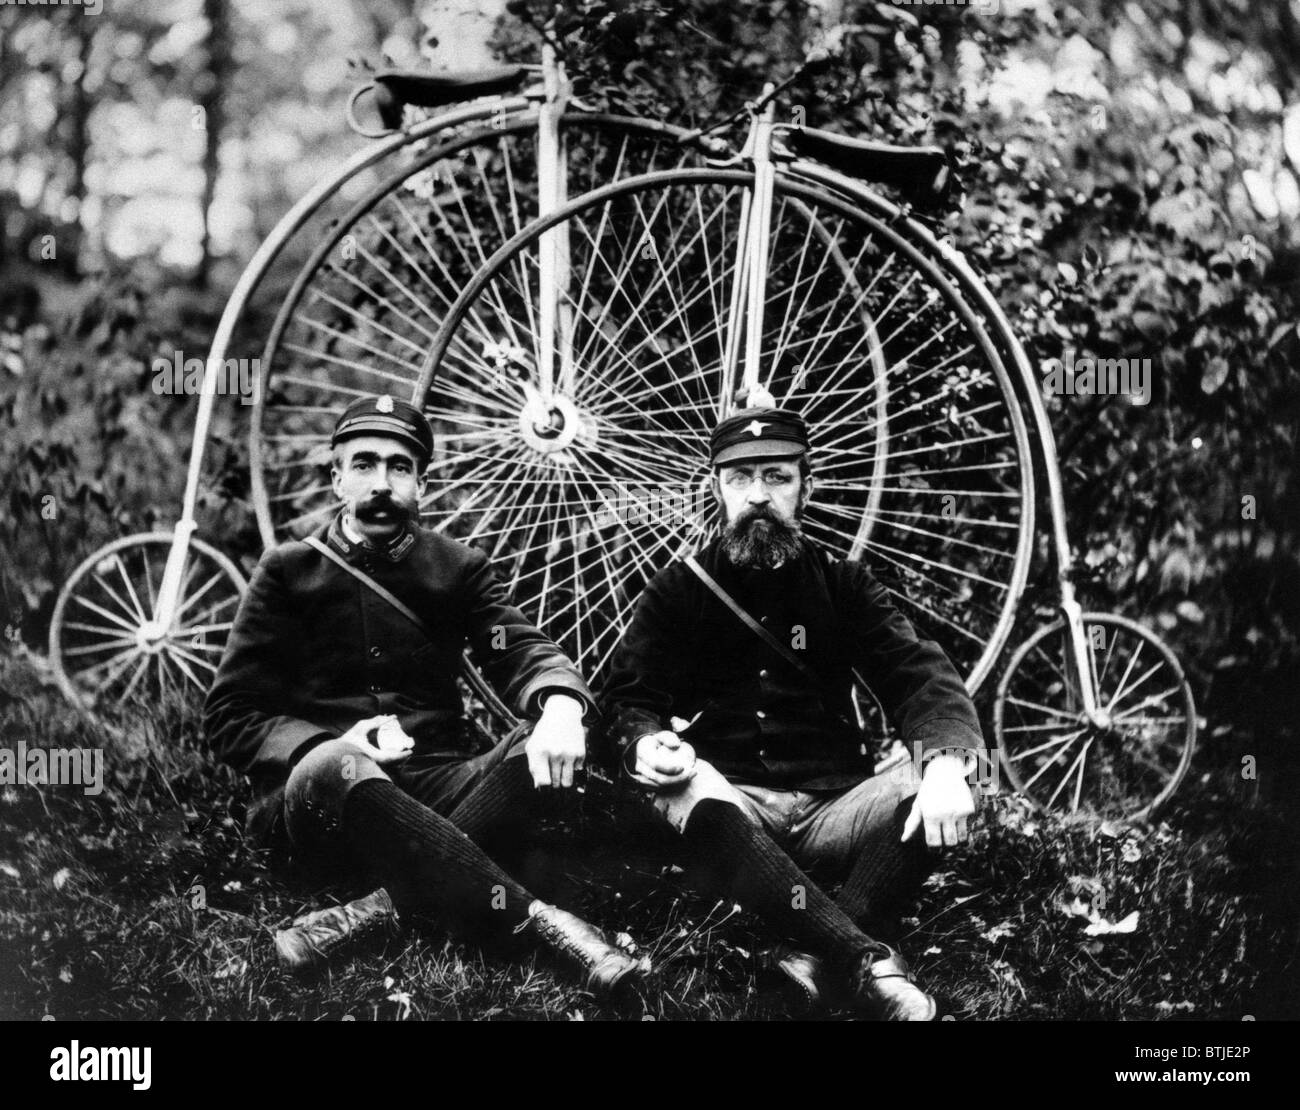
{"points": [[555, 326], [749, 290], [1080, 652]]}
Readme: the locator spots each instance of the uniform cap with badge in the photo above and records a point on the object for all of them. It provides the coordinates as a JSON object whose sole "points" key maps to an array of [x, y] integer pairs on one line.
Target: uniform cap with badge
{"points": [[758, 433], [385, 416]]}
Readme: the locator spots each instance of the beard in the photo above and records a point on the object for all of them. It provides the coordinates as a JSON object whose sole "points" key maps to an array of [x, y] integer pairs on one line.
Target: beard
{"points": [[760, 539]]}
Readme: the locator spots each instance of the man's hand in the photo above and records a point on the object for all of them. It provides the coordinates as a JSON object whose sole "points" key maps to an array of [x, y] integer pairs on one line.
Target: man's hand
{"points": [[359, 735], [558, 746], [943, 803], [663, 759]]}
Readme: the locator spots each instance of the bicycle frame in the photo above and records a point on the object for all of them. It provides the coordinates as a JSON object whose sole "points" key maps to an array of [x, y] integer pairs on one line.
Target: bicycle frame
{"points": [[555, 317]]}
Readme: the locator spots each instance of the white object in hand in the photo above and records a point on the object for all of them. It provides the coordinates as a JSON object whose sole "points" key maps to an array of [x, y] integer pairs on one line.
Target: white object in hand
{"points": [[392, 738]]}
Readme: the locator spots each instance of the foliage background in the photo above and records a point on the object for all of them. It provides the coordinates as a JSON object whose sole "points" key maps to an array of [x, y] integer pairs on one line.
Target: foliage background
{"points": [[1132, 185]]}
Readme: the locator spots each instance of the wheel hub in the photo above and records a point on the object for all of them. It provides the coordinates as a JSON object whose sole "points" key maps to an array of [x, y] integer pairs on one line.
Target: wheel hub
{"points": [[150, 637], [552, 426]]}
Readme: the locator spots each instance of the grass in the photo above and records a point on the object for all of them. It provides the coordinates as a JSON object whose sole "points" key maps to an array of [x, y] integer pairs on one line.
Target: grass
{"points": [[147, 902]]}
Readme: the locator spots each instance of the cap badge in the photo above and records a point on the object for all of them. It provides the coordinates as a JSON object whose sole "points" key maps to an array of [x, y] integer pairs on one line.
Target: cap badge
{"points": [[755, 427], [384, 404]]}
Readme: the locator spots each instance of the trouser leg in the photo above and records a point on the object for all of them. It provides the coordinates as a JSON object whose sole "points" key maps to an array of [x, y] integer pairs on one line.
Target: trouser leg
{"points": [[858, 834]]}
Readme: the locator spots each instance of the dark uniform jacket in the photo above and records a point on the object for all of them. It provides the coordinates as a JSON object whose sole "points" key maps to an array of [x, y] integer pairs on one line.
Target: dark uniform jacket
{"points": [[313, 651], [756, 718]]}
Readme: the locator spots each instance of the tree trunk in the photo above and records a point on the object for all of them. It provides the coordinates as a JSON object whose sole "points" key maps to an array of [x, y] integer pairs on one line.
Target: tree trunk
{"points": [[78, 152], [212, 100]]}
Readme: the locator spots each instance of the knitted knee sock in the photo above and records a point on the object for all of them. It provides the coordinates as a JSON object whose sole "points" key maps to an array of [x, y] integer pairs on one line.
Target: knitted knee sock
{"points": [[427, 864], [504, 801], [886, 876], [733, 859]]}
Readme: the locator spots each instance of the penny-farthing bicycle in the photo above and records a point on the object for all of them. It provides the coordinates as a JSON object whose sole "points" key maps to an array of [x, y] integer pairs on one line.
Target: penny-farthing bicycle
{"points": [[565, 349]]}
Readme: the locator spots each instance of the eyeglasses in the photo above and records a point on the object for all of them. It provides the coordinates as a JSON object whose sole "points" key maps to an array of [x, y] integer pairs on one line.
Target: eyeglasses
{"points": [[773, 479]]}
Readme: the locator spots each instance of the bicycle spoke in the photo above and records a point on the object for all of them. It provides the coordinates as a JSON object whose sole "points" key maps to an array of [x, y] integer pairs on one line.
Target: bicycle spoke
{"points": [[1049, 764], [107, 645], [1078, 761], [135, 678], [94, 608], [1055, 742]]}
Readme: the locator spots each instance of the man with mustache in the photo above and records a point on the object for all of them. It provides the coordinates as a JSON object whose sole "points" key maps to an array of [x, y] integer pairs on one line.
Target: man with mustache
{"points": [[768, 776], [337, 696]]}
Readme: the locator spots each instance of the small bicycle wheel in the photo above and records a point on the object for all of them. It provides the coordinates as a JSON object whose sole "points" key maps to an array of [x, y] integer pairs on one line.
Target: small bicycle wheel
{"points": [[103, 645], [363, 310], [1129, 759], [920, 453]]}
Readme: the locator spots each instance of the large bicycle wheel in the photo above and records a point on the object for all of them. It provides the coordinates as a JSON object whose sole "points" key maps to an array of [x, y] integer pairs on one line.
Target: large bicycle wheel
{"points": [[363, 310], [1125, 763], [919, 448], [104, 647]]}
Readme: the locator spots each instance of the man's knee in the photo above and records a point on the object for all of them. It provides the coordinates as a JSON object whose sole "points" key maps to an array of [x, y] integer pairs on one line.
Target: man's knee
{"points": [[676, 804], [859, 820], [319, 785]]}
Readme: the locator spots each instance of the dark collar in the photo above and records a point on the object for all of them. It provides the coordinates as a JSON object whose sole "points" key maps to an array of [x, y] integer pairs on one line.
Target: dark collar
{"points": [[394, 551]]}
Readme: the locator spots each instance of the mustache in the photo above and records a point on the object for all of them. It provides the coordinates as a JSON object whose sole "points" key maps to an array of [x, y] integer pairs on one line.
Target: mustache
{"points": [[756, 513], [377, 505]]}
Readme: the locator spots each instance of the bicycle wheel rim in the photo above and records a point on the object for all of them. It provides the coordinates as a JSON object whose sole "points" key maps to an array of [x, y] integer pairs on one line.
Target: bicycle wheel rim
{"points": [[93, 627], [1171, 728]]}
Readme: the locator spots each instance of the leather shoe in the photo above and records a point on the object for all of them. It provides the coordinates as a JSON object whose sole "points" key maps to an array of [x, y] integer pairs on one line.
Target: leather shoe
{"points": [[605, 969], [313, 938], [801, 974], [883, 986]]}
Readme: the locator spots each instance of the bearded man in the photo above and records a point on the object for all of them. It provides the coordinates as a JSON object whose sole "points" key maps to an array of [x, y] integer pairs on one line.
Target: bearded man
{"points": [[752, 646]]}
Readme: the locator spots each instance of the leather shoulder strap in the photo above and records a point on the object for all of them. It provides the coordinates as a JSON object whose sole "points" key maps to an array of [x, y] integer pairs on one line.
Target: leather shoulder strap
{"points": [[392, 599], [749, 622], [771, 641], [469, 672]]}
